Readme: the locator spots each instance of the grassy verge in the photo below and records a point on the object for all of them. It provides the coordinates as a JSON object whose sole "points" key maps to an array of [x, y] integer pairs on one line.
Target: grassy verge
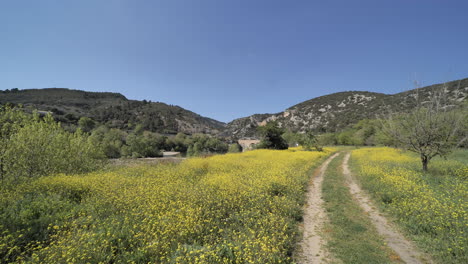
{"points": [[431, 207], [352, 237]]}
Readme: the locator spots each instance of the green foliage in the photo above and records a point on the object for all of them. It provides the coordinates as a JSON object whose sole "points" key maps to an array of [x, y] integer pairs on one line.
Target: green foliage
{"points": [[110, 141], [328, 139], [346, 137], [308, 141], [234, 148], [178, 143], [112, 110], [143, 144], [32, 147], [432, 129], [292, 138], [86, 124], [11, 120], [116, 143], [271, 135], [201, 144], [366, 132]]}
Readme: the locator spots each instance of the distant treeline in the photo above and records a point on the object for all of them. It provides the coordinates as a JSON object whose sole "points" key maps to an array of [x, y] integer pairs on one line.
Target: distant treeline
{"points": [[116, 143], [367, 132], [35, 144]]}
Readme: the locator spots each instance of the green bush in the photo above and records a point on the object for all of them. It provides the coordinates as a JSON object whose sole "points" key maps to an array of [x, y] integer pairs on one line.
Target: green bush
{"points": [[234, 148], [32, 146]]}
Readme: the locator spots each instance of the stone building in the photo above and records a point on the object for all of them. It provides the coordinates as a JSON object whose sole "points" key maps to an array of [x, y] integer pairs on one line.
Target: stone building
{"points": [[247, 143]]}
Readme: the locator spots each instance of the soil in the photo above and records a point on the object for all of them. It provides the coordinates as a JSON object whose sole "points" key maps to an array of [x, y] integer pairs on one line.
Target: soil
{"points": [[312, 248]]}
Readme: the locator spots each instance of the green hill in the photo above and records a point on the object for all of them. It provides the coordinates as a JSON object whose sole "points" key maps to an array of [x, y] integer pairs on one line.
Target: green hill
{"points": [[329, 113], [112, 109], [334, 112]]}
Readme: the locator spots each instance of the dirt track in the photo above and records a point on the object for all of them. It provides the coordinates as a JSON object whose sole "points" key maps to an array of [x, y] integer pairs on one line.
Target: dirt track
{"points": [[407, 252], [312, 246]]}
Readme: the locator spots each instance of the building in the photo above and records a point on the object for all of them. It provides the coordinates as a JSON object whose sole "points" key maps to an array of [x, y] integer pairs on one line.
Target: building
{"points": [[248, 143]]}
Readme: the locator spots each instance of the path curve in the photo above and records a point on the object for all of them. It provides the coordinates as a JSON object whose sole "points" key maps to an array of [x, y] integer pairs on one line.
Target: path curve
{"points": [[312, 244], [403, 247]]}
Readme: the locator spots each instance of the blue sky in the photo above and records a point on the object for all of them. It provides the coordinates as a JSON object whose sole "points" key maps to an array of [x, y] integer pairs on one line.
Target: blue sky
{"points": [[228, 59]]}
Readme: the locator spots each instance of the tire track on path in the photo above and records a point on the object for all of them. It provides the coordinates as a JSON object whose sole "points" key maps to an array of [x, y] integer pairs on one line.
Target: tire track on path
{"points": [[403, 247], [312, 245]]}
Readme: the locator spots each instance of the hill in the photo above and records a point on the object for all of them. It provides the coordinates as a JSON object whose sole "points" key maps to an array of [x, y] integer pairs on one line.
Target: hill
{"points": [[112, 109], [329, 113], [334, 112]]}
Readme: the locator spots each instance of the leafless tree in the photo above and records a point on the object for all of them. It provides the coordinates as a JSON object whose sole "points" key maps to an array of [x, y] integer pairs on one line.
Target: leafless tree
{"points": [[434, 127]]}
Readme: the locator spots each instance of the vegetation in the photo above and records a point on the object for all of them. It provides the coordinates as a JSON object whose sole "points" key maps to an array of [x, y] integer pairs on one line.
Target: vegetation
{"points": [[234, 148], [271, 135], [338, 112], [116, 143], [430, 206], [200, 144], [351, 236], [431, 129], [234, 208], [112, 110], [308, 140], [86, 124], [31, 146], [110, 141]]}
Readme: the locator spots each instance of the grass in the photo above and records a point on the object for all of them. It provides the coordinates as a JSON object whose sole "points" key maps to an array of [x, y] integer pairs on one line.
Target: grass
{"points": [[430, 207], [352, 237]]}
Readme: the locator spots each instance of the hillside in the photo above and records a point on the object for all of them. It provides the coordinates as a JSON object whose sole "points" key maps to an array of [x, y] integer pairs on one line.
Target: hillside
{"points": [[337, 111], [329, 113], [112, 109]]}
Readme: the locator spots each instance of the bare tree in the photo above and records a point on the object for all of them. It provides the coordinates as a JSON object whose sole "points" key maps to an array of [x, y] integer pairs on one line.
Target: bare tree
{"points": [[434, 127]]}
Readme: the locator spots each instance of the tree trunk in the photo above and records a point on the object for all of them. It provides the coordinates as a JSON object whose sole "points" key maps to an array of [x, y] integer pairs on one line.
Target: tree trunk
{"points": [[424, 161]]}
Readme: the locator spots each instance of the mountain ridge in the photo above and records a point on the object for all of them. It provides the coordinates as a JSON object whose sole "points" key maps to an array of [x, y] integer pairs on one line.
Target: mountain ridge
{"points": [[336, 111], [112, 109], [326, 113]]}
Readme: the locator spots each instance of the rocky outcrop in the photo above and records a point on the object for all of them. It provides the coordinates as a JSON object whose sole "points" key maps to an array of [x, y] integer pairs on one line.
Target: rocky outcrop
{"points": [[337, 111]]}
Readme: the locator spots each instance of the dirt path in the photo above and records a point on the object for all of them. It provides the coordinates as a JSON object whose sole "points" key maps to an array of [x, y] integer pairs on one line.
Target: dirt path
{"points": [[407, 252], [312, 245]]}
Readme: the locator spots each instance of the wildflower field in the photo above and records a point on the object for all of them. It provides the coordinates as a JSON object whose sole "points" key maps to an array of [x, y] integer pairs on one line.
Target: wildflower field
{"points": [[431, 207], [234, 208]]}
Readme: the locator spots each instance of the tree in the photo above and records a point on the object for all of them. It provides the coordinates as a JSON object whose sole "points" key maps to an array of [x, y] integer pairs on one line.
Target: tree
{"points": [[271, 136], [201, 144], [110, 141], [11, 120], [346, 137], [328, 139], [141, 145], [234, 148], [434, 128], [32, 146], [292, 138], [86, 124], [308, 141], [177, 143]]}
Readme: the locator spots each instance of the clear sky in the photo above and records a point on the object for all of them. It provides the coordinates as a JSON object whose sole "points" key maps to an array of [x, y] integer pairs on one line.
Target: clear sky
{"points": [[228, 59]]}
